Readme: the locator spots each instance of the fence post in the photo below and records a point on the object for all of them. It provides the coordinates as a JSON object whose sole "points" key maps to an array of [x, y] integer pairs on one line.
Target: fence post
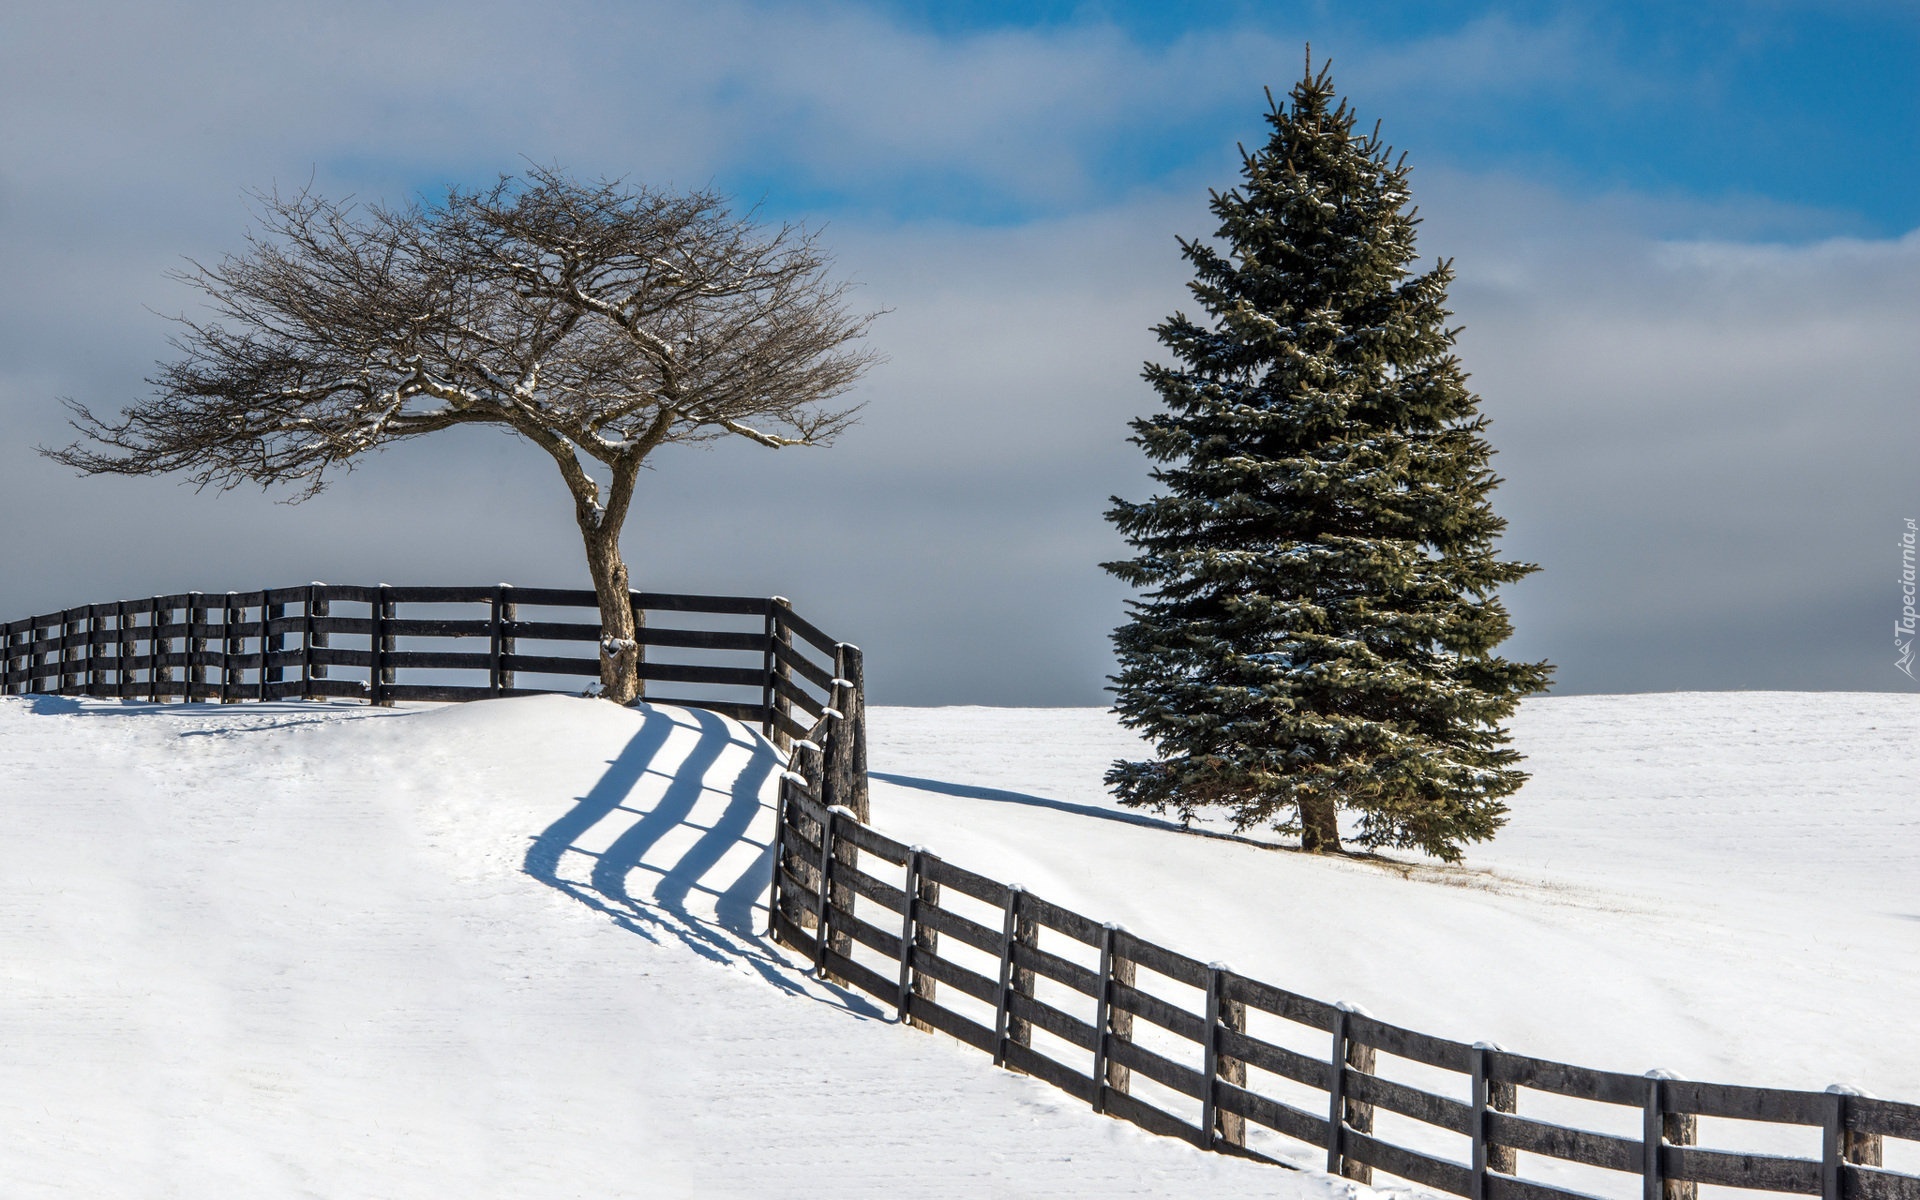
{"points": [[1026, 932], [379, 675], [69, 630], [157, 675], [1490, 1097], [926, 942], [38, 666], [822, 914], [1210, 1058], [1102, 1010], [779, 853], [122, 649], [778, 672], [851, 666], [835, 787], [229, 648], [639, 645], [92, 685], [1002, 1010], [318, 605], [98, 665], [909, 918], [1122, 972], [196, 646], [1661, 1128], [1343, 1113], [1230, 1015], [1841, 1145], [509, 614], [272, 642], [834, 773]]}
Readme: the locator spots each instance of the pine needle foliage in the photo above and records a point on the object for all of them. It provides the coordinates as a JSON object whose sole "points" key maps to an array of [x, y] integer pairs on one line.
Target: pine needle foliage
{"points": [[1319, 582]]}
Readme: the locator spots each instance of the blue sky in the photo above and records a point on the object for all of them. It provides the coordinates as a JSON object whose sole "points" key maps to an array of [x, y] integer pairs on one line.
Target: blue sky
{"points": [[1687, 242], [1812, 107]]}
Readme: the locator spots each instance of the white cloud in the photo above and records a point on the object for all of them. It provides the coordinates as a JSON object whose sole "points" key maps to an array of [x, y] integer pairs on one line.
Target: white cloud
{"points": [[1703, 439]]}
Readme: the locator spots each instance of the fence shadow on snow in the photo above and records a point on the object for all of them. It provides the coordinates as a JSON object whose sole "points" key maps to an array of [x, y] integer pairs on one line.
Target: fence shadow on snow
{"points": [[624, 848]]}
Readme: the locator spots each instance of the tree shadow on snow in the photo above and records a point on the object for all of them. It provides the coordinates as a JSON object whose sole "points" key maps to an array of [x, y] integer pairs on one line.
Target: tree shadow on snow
{"points": [[649, 879], [1002, 796]]}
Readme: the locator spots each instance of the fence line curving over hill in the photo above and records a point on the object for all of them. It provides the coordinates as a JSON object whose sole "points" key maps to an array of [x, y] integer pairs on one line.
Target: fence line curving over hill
{"points": [[1183, 1048], [748, 657], [1197, 1051]]}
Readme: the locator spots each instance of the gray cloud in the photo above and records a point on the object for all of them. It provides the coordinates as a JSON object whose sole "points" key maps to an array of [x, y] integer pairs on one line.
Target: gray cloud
{"points": [[1704, 439]]}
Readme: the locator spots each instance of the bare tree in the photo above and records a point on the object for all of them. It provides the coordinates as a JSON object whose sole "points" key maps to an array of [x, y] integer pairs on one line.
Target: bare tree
{"points": [[599, 322]]}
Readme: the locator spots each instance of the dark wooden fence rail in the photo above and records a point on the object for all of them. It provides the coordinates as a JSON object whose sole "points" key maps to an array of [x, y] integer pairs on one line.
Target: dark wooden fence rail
{"points": [[1070, 1000], [772, 667], [1044, 990]]}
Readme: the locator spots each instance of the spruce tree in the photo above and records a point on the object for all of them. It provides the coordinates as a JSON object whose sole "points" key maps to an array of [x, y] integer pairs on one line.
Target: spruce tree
{"points": [[1319, 579]]}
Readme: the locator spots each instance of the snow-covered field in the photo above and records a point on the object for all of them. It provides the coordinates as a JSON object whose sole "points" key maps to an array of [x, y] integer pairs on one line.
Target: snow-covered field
{"points": [[512, 948]]}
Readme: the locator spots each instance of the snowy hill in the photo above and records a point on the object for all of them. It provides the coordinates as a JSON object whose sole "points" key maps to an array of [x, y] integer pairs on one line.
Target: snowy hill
{"points": [[511, 948]]}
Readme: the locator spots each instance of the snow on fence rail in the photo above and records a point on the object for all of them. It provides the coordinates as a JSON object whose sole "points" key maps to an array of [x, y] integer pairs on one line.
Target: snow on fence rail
{"points": [[747, 657], [1196, 1051]]}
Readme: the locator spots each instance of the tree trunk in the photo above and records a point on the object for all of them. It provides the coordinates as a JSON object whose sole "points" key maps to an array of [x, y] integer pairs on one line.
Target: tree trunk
{"points": [[619, 652], [1319, 824]]}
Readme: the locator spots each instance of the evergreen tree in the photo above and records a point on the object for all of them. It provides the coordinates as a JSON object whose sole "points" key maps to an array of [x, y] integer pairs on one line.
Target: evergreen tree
{"points": [[1319, 576]]}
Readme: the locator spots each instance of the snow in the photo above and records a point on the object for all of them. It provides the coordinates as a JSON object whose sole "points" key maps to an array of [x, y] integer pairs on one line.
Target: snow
{"points": [[512, 948], [501, 949], [1726, 885]]}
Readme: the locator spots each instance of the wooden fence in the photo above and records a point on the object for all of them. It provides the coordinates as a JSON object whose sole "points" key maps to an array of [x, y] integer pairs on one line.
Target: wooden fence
{"points": [[1177, 1046], [1196, 1051], [750, 658]]}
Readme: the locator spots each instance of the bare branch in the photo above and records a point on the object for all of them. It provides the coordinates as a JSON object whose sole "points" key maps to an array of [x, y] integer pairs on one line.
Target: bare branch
{"points": [[599, 321]]}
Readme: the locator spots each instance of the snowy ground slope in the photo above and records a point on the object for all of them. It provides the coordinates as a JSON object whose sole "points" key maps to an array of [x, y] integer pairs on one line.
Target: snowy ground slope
{"points": [[511, 948], [501, 949], [1723, 885]]}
